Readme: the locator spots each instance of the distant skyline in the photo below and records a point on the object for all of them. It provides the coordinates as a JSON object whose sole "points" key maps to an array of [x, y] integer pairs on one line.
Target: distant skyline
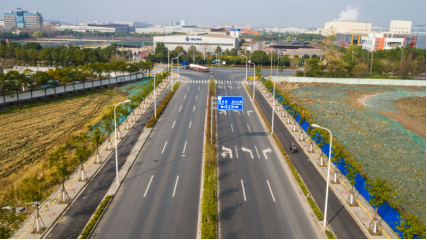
{"points": [[274, 13]]}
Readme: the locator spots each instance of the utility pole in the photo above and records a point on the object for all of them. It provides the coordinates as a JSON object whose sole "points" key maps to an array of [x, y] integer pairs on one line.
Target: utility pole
{"points": [[372, 58]]}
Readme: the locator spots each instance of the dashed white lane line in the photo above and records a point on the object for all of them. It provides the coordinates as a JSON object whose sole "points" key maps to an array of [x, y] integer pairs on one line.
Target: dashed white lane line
{"points": [[197, 97], [198, 89], [180, 108], [271, 191], [257, 152], [166, 143], [188, 88], [173, 125], [190, 125], [249, 128], [243, 187], [185, 96], [176, 183], [194, 108], [232, 128], [185, 145], [146, 190]]}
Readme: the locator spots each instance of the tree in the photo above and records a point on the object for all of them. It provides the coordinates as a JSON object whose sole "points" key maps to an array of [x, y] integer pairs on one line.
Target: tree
{"points": [[334, 65], [41, 79], [192, 51], [351, 176], [34, 190], [29, 80], [258, 57], [6, 86], [108, 125], [180, 50], [37, 34], [360, 70], [218, 50], [82, 153], [16, 79], [63, 166], [381, 192], [411, 227], [96, 141]]}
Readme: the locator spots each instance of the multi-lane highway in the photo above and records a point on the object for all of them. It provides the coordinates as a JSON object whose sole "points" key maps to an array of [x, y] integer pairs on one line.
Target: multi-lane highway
{"points": [[160, 196]]}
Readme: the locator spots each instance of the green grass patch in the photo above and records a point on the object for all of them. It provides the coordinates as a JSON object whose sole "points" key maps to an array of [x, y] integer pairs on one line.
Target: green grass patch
{"points": [[96, 217]]}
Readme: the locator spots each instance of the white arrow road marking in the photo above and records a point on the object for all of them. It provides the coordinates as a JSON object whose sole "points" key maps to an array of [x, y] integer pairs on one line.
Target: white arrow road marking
{"points": [[236, 112], [271, 191], [235, 148], [249, 128], [190, 125], [173, 124], [248, 150], [232, 128], [243, 187], [176, 183], [250, 111], [194, 108], [222, 111], [185, 145], [265, 152], [180, 108], [146, 190], [185, 96], [219, 86], [257, 152], [197, 97], [166, 143], [230, 87], [226, 151]]}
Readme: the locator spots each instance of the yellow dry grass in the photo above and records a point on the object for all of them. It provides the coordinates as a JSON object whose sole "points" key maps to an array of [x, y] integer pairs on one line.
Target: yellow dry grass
{"points": [[28, 135]]}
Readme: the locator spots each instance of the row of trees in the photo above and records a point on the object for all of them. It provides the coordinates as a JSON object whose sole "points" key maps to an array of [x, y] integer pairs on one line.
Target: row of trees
{"points": [[33, 53], [14, 82]]}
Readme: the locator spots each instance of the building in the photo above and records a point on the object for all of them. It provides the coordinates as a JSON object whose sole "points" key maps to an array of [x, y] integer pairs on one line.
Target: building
{"points": [[183, 23], [346, 27], [399, 26], [385, 41], [118, 27], [204, 42], [23, 19], [84, 28]]}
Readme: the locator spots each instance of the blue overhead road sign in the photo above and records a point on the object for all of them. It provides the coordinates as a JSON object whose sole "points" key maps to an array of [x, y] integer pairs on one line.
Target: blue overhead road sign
{"points": [[230, 102]]}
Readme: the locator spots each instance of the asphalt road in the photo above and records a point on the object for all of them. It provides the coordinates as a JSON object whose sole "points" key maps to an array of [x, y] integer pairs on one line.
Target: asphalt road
{"points": [[72, 223], [257, 197], [160, 196]]}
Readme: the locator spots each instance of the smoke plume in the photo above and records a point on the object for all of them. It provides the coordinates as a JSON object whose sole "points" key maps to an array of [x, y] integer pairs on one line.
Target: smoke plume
{"points": [[348, 14]]}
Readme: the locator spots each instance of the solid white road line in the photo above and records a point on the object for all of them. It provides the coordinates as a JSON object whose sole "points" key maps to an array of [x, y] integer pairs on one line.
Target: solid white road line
{"points": [[185, 145], [243, 187], [146, 190], [173, 124], [185, 96], [180, 108], [271, 191], [249, 128], [176, 183], [190, 125], [166, 143], [257, 152], [232, 128]]}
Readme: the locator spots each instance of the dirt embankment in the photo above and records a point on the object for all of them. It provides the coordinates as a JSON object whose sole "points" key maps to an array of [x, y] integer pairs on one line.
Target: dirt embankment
{"points": [[411, 115]]}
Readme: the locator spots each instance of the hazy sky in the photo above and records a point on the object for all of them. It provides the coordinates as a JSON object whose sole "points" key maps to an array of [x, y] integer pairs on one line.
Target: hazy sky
{"points": [[270, 13]]}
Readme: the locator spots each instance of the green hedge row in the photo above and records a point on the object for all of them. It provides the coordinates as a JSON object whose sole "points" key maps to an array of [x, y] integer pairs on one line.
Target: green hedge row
{"points": [[294, 171], [329, 234], [161, 107], [95, 218]]}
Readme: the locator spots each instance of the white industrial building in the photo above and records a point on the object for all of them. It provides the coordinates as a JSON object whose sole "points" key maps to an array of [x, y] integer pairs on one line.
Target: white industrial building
{"points": [[204, 42], [84, 28], [346, 27], [398, 26]]}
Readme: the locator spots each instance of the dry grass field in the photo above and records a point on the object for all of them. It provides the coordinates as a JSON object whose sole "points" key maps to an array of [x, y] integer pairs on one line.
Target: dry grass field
{"points": [[28, 134]]}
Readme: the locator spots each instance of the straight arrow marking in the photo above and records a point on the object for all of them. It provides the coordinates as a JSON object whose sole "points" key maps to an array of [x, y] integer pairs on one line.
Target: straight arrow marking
{"points": [[257, 152]]}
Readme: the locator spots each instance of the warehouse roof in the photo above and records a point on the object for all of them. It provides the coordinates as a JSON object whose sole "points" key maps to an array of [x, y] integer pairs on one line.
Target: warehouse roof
{"points": [[200, 35]]}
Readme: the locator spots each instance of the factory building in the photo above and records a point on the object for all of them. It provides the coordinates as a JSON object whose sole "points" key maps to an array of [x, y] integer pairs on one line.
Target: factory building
{"points": [[385, 41], [204, 42], [346, 27], [398, 26]]}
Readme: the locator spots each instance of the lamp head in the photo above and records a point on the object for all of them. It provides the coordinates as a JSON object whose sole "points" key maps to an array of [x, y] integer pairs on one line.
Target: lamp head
{"points": [[126, 101], [315, 125], [249, 61]]}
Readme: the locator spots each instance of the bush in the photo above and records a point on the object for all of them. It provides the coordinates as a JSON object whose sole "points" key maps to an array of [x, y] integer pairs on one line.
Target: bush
{"points": [[329, 234]]}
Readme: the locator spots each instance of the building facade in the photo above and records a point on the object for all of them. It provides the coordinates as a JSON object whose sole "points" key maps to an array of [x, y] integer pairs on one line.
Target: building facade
{"points": [[23, 19], [204, 42], [346, 27], [385, 41], [398, 26]]}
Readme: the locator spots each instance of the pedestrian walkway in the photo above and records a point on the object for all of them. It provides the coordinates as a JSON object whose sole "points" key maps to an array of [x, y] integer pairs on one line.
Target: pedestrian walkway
{"points": [[363, 212]]}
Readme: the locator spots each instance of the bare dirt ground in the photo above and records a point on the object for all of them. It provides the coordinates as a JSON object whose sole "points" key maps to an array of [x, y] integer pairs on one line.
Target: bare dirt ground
{"points": [[411, 115]]}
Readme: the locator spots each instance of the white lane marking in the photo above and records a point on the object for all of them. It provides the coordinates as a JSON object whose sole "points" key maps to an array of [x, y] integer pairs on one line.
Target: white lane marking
{"points": [[271, 191], [146, 190], [197, 97], [188, 88], [232, 128], [248, 150], [180, 108], [176, 183], [166, 143], [194, 108], [185, 97], [257, 152], [250, 112], [243, 187], [185, 145], [249, 128], [190, 125], [265, 151], [226, 150], [198, 89], [235, 148], [173, 124]]}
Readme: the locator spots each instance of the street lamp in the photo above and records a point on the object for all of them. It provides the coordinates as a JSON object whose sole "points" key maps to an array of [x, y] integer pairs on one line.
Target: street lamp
{"points": [[246, 66], [115, 138], [329, 169], [176, 67], [272, 113], [253, 93], [155, 109]]}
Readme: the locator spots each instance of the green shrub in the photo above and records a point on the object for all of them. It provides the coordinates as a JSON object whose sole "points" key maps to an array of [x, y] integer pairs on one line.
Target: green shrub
{"points": [[329, 234]]}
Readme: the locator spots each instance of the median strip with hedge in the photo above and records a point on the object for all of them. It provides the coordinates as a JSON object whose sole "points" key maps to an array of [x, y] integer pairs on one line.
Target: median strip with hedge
{"points": [[96, 217], [161, 107]]}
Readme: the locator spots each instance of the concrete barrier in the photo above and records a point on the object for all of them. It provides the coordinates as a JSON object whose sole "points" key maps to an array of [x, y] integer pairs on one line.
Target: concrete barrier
{"points": [[40, 93]]}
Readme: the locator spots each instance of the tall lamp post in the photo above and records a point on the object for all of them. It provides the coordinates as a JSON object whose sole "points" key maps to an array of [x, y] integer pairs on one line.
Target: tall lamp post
{"points": [[329, 169], [115, 138], [155, 108], [272, 112], [177, 68], [246, 66], [253, 93]]}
